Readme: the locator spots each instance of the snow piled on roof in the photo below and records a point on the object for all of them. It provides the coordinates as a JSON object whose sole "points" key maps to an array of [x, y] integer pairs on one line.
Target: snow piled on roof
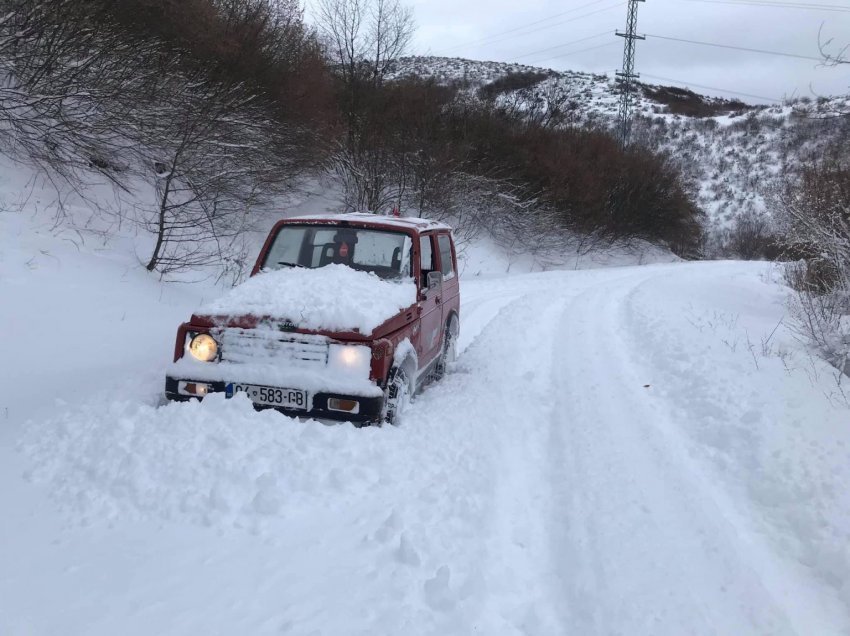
{"points": [[334, 297]]}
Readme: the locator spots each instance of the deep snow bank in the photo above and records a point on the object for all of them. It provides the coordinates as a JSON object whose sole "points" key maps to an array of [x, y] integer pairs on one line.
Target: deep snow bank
{"points": [[333, 297], [213, 463], [771, 421]]}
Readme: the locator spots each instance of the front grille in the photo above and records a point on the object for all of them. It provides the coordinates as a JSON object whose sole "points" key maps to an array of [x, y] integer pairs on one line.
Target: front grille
{"points": [[269, 346]]}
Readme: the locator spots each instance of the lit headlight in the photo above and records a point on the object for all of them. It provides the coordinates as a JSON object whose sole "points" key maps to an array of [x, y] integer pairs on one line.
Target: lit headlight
{"points": [[203, 347], [354, 359]]}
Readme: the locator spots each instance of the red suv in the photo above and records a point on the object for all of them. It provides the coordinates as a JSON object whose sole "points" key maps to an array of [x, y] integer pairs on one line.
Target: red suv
{"points": [[344, 317]]}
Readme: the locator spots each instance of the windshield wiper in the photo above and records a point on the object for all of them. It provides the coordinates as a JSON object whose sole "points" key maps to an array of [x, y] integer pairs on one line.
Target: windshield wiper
{"points": [[290, 264]]}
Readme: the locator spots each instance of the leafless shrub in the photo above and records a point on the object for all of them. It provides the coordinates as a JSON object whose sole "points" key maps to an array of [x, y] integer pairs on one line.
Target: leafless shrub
{"points": [[520, 224], [817, 209], [80, 93], [821, 319], [751, 237], [365, 177], [682, 101], [510, 83], [545, 107], [64, 87], [212, 158]]}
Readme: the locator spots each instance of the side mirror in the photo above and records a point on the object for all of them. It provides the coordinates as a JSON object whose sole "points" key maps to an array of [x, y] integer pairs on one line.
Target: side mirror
{"points": [[435, 279]]}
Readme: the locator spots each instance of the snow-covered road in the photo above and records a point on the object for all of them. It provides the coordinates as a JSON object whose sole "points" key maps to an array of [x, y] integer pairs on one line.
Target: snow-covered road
{"points": [[620, 451]]}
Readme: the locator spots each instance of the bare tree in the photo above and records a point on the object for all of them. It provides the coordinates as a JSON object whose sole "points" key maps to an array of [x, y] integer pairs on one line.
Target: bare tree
{"points": [[363, 37], [391, 28], [213, 156]]}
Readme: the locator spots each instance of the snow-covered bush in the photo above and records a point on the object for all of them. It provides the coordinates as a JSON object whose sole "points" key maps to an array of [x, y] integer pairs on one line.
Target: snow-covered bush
{"points": [[171, 117], [817, 213], [751, 237], [66, 86]]}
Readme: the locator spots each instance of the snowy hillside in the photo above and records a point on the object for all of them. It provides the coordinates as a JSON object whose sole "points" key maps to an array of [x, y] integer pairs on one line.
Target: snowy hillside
{"points": [[639, 450], [734, 152]]}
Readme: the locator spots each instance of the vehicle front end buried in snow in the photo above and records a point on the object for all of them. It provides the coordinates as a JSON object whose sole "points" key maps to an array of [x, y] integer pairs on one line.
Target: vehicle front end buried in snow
{"points": [[293, 402]]}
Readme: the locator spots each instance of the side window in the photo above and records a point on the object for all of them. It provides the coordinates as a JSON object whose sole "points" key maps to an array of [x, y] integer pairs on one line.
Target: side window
{"points": [[427, 257], [446, 263]]}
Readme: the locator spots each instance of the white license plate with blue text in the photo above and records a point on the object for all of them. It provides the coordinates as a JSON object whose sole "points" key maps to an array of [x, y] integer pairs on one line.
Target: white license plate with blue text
{"points": [[270, 395]]}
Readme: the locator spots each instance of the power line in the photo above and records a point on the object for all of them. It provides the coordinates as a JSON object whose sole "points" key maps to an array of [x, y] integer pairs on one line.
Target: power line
{"points": [[712, 88], [571, 53], [835, 8], [523, 30], [560, 46], [736, 48], [526, 25]]}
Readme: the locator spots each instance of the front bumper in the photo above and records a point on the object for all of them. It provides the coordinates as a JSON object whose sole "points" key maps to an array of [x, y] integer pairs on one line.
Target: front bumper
{"points": [[371, 408]]}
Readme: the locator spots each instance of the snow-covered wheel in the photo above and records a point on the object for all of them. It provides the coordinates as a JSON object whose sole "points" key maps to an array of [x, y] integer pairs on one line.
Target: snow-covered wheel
{"points": [[398, 395], [449, 353]]}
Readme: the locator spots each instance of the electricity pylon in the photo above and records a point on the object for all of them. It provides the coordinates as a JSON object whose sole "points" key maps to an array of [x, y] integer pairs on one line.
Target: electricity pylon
{"points": [[628, 75]]}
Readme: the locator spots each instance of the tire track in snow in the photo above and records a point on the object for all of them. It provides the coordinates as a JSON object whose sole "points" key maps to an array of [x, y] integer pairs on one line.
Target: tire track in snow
{"points": [[810, 605], [642, 548], [481, 305], [519, 572]]}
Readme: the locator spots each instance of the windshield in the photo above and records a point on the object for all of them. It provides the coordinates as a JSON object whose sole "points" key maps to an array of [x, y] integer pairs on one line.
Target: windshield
{"points": [[382, 252]]}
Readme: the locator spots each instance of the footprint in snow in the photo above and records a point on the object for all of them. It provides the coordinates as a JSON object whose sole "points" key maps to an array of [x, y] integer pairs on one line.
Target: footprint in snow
{"points": [[406, 553], [389, 527], [438, 594]]}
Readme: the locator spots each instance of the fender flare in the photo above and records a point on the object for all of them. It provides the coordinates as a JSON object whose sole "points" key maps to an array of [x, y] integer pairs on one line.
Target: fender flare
{"points": [[405, 357]]}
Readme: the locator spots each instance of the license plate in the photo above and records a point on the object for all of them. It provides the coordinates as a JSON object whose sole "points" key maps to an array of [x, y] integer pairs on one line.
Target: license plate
{"points": [[270, 395]]}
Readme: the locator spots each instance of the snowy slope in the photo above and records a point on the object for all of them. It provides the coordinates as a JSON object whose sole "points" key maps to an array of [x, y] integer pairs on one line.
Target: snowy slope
{"points": [[734, 153], [625, 450]]}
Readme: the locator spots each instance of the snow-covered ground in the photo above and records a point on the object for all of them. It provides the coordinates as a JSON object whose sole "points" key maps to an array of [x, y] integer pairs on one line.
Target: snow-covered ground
{"points": [[633, 450]]}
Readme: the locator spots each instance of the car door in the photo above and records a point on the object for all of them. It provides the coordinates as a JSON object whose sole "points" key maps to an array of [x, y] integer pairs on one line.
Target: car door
{"points": [[448, 266], [430, 304]]}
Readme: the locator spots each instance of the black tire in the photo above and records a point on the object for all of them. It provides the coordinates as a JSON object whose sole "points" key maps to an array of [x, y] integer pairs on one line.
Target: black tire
{"points": [[449, 353], [398, 396]]}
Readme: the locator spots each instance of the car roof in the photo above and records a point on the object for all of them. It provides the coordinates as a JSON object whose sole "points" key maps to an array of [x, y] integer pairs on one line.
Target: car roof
{"points": [[370, 219]]}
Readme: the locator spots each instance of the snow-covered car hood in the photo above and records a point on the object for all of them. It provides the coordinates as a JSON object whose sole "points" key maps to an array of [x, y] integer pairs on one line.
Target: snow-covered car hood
{"points": [[332, 298]]}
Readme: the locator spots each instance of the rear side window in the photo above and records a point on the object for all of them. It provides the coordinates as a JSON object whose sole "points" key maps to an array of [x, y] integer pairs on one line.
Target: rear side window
{"points": [[446, 263]]}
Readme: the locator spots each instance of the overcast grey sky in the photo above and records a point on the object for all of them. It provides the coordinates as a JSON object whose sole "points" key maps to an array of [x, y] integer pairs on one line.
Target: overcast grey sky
{"points": [[475, 29]]}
